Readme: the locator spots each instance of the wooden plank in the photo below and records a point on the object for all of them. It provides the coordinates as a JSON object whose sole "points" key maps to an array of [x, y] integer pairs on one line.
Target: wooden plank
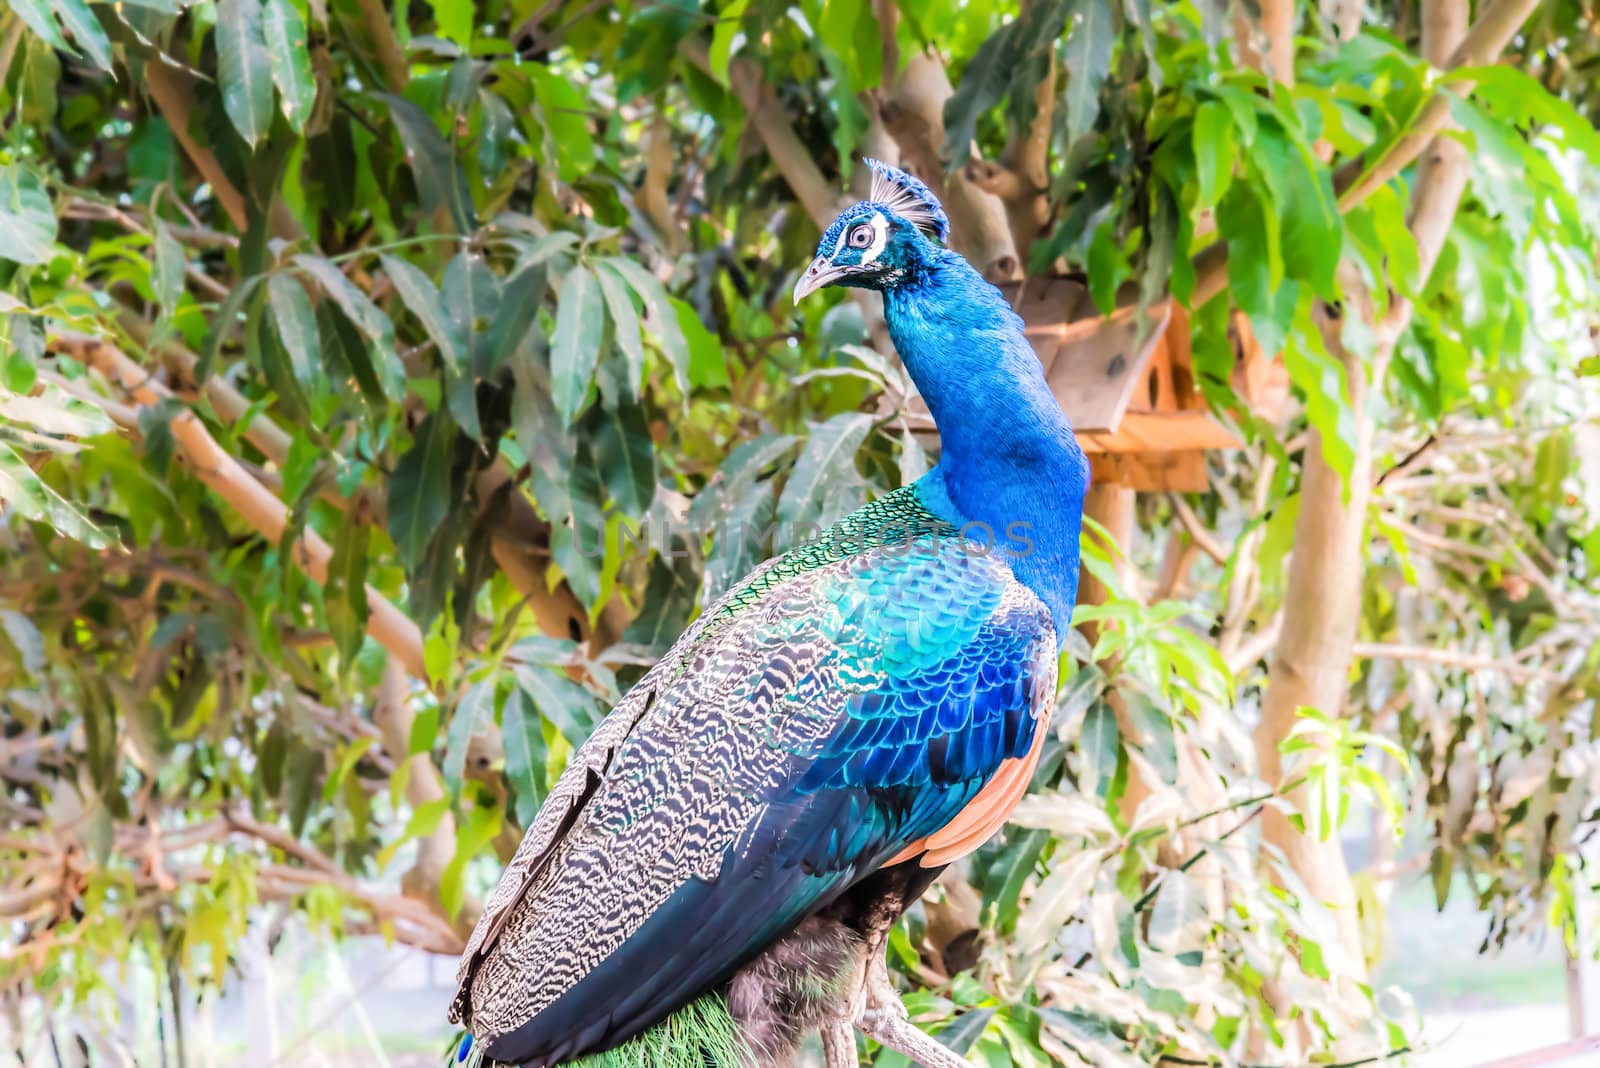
{"points": [[1151, 472], [1161, 432]]}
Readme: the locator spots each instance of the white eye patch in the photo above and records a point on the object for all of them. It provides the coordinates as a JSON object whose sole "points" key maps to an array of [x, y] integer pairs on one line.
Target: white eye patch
{"points": [[880, 238]]}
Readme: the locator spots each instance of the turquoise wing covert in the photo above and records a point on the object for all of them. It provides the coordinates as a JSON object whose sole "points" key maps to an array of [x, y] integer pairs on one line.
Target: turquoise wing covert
{"points": [[844, 704]]}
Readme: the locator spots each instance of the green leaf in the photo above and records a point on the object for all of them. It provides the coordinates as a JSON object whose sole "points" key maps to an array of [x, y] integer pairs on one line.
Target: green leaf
{"points": [[440, 179], [665, 316], [21, 488], [169, 268], [563, 111], [419, 489], [473, 835], [289, 58], [243, 68], [85, 29], [36, 15], [419, 294], [624, 323], [1088, 61], [1512, 91], [849, 30], [520, 299], [727, 27], [523, 733], [344, 599], [296, 325], [627, 458], [1057, 899], [472, 713], [829, 452], [1309, 224], [1214, 151], [1004, 881], [25, 639], [1108, 267], [559, 700], [356, 304], [580, 322], [708, 367], [1254, 265], [454, 18], [27, 221], [1098, 743]]}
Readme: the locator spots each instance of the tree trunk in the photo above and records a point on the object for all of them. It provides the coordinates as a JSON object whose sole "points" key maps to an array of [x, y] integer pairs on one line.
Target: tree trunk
{"points": [[1322, 600]]}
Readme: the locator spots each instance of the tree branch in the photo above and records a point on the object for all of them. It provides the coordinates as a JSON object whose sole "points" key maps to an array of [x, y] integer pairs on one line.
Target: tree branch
{"points": [[386, 624], [391, 58], [1489, 35], [789, 154], [1450, 658], [1196, 530]]}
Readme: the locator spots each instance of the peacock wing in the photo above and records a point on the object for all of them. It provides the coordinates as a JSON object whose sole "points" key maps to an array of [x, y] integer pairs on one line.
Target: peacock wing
{"points": [[845, 716]]}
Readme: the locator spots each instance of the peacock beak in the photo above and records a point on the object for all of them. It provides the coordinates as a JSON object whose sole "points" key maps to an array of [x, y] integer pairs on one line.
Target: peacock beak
{"points": [[819, 274]]}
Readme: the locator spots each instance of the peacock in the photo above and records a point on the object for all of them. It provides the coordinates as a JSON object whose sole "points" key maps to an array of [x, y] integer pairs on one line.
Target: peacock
{"points": [[716, 872]]}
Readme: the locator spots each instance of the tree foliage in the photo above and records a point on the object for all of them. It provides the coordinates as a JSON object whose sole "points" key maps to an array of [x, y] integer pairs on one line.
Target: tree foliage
{"points": [[493, 298]]}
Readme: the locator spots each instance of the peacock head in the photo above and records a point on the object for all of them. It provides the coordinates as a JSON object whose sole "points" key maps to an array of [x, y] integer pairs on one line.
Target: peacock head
{"points": [[881, 241]]}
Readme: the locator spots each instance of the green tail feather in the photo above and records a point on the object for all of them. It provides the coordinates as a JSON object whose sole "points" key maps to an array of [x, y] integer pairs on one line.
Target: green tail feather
{"points": [[702, 1034]]}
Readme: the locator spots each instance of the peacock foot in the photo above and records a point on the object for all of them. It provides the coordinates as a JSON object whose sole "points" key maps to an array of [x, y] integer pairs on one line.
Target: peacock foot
{"points": [[877, 1010]]}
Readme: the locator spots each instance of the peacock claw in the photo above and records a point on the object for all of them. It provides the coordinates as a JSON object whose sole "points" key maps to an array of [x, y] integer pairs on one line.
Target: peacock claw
{"points": [[875, 1007]]}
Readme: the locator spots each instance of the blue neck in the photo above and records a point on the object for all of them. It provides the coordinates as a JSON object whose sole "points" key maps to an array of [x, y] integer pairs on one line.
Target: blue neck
{"points": [[1008, 458]]}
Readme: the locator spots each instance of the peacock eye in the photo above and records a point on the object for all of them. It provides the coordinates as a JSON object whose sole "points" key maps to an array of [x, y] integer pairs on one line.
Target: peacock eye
{"points": [[861, 236]]}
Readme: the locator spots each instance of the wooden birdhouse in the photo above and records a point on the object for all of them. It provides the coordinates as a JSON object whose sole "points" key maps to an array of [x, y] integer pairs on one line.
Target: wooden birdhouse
{"points": [[1128, 384]]}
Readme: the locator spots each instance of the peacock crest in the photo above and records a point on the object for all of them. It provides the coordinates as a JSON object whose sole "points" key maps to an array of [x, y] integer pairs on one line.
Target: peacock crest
{"points": [[909, 198]]}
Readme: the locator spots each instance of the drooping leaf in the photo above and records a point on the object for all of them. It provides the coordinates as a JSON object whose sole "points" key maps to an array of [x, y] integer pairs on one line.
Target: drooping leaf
{"points": [[244, 69], [564, 114], [344, 599], [708, 367], [37, 16], [1320, 377], [419, 489], [580, 322], [1214, 151], [522, 733], [85, 29], [1088, 61], [24, 490], [422, 298], [471, 714], [367, 316], [559, 700], [520, 298], [289, 58], [296, 325], [626, 456], [1057, 898], [624, 318], [440, 180], [664, 316], [829, 451], [27, 221], [169, 269]]}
